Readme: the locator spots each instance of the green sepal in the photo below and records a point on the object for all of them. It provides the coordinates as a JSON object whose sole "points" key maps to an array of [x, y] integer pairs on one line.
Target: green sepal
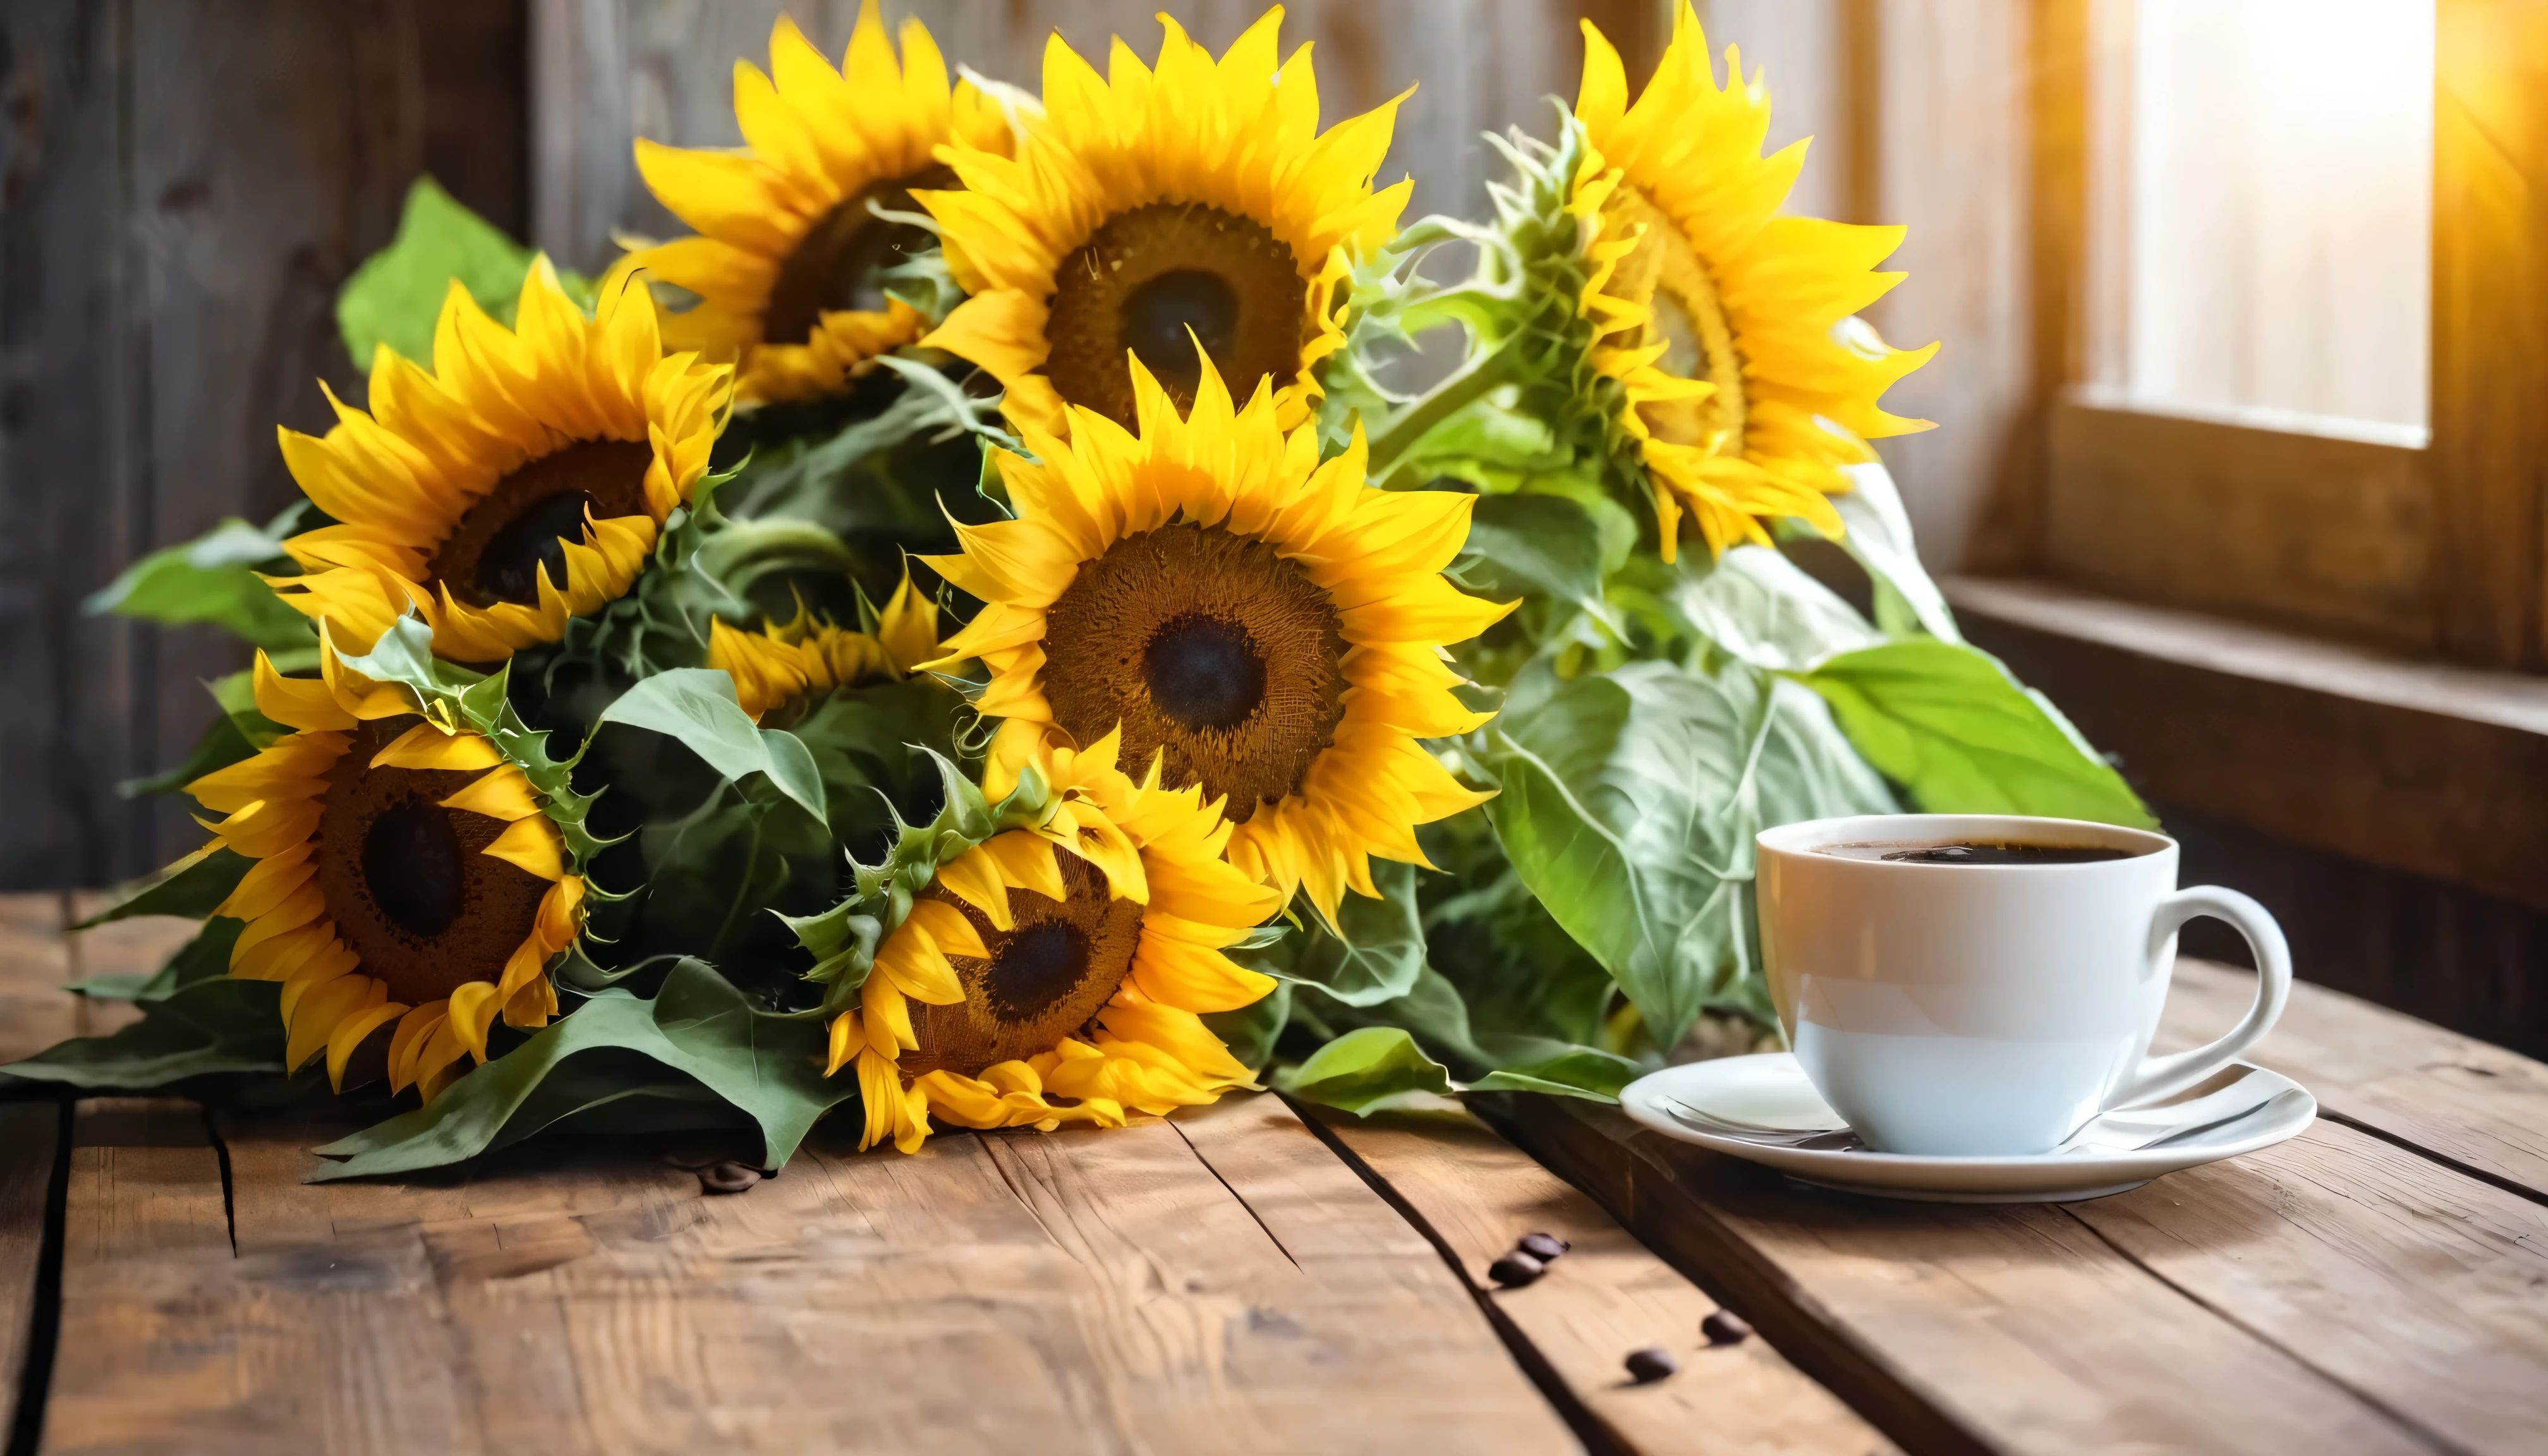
{"points": [[699, 1028], [454, 698], [843, 939]]}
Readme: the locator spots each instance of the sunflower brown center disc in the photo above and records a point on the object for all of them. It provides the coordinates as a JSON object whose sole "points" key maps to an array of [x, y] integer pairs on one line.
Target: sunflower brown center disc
{"points": [[520, 529], [1045, 981], [404, 878], [1208, 646], [835, 265], [1689, 322], [1149, 275]]}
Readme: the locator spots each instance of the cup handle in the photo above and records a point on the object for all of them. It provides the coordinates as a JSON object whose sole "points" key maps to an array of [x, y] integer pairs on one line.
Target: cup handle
{"points": [[2157, 1076]]}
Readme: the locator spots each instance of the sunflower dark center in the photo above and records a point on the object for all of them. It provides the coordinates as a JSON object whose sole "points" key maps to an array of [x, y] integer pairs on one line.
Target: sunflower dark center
{"points": [[1689, 320], [407, 885], [532, 542], [834, 266], [518, 533], [1150, 275], [412, 866], [1204, 673], [1046, 978], [1204, 646], [1165, 318], [1038, 967]]}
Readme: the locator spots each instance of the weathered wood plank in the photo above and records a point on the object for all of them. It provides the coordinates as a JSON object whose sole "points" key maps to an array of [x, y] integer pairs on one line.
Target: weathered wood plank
{"points": [[35, 964], [1607, 1296], [2417, 1289], [29, 1134], [1957, 1327], [1096, 1291], [607, 71], [2453, 1096], [136, 946]]}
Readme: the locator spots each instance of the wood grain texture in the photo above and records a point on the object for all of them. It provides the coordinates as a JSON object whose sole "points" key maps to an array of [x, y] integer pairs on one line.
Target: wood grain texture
{"points": [[1100, 1293], [1957, 1327], [1605, 1298], [183, 186], [2462, 1099], [29, 1134], [35, 964], [2489, 328], [2322, 533], [1950, 91], [608, 71], [2414, 1288]]}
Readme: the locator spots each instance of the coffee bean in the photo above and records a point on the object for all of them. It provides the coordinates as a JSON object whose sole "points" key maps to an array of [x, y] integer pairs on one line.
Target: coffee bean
{"points": [[727, 1177], [1515, 1269], [1543, 1246], [1650, 1364], [1725, 1327]]}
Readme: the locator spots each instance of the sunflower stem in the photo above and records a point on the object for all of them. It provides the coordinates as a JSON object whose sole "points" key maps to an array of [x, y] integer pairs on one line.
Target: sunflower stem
{"points": [[1472, 381]]}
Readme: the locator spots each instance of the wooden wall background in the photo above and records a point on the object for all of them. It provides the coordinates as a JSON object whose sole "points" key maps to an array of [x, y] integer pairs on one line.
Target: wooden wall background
{"points": [[184, 184]]}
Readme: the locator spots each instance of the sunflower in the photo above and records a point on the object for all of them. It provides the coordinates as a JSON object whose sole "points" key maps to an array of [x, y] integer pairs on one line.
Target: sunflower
{"points": [[1749, 379], [405, 871], [519, 484], [1154, 209], [794, 662], [1056, 973], [788, 249], [1271, 625]]}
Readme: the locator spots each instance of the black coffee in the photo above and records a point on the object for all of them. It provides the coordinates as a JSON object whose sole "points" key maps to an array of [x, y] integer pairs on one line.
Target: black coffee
{"points": [[1973, 851]]}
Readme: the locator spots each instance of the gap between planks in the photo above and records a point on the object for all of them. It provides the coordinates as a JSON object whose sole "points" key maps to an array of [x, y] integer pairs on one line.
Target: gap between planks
{"points": [[1473, 1195], [1226, 1283]]}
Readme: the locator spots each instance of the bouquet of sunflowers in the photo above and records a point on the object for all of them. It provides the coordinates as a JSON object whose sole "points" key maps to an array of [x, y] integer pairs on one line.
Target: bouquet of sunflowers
{"points": [[989, 629]]}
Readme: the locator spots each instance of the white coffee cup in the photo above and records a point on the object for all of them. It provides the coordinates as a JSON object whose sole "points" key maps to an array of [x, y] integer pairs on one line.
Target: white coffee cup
{"points": [[1987, 1010]]}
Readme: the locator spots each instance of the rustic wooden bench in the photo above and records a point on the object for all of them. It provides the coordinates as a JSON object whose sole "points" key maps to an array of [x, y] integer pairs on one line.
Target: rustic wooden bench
{"points": [[1251, 1278]]}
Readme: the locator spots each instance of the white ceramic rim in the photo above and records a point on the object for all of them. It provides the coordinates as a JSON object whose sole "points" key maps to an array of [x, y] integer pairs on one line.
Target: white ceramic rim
{"points": [[1806, 836], [2023, 1173]]}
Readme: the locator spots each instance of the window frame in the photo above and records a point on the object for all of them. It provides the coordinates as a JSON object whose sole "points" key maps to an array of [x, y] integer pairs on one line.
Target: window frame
{"points": [[2433, 550]]}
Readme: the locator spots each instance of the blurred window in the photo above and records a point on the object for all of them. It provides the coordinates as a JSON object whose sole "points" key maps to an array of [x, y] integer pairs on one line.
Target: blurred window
{"points": [[2260, 212]]}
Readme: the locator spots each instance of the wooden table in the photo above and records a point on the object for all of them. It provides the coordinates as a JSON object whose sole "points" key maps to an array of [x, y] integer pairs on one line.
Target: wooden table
{"points": [[1243, 1279]]}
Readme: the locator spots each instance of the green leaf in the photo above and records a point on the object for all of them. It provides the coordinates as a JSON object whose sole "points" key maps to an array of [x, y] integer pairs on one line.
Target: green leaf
{"points": [[698, 706], [1629, 802], [1252, 1031], [216, 1025], [221, 745], [1534, 544], [396, 296], [1949, 724], [235, 692], [769, 1067], [192, 888], [1878, 535], [213, 580], [1762, 607], [1374, 953], [202, 958], [1578, 1071], [1366, 1070]]}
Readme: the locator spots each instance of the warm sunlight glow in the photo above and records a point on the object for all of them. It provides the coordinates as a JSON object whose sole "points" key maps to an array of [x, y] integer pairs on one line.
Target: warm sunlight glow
{"points": [[2263, 197]]}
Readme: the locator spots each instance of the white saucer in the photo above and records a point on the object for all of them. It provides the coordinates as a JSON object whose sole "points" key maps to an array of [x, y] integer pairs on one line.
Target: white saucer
{"points": [[1763, 1108]]}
